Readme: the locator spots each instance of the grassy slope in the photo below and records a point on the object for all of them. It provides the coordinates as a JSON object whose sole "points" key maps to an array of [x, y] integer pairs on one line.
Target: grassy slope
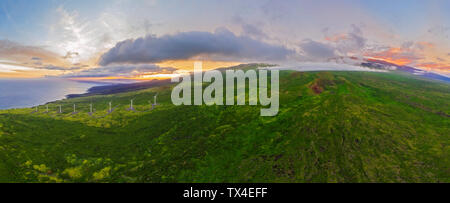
{"points": [[361, 127]]}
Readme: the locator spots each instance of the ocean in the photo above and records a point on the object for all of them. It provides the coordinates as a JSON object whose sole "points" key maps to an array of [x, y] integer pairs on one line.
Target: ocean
{"points": [[23, 93]]}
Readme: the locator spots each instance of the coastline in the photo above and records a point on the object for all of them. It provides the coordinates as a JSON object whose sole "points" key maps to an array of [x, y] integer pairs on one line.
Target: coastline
{"points": [[96, 88], [120, 88], [106, 88], [28, 93]]}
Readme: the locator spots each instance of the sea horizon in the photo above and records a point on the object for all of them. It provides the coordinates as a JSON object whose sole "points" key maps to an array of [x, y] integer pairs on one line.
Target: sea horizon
{"points": [[26, 93]]}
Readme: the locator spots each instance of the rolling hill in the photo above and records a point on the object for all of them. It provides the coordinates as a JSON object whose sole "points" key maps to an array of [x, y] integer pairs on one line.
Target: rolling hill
{"points": [[332, 127]]}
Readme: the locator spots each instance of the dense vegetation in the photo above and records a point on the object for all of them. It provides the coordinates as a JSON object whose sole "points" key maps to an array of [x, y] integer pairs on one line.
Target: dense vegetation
{"points": [[332, 127]]}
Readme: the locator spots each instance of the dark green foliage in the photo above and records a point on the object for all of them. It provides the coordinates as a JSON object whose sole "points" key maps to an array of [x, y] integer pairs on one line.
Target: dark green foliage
{"points": [[332, 127]]}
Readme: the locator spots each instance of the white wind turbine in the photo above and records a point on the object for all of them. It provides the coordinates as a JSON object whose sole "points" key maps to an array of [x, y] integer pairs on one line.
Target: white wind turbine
{"points": [[90, 109], [154, 102], [74, 109], [131, 105]]}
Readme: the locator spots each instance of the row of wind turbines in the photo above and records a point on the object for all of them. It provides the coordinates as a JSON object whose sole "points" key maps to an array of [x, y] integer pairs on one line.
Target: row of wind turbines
{"points": [[91, 107]]}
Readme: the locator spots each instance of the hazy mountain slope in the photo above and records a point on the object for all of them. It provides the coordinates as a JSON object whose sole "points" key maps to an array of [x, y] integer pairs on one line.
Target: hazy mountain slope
{"points": [[379, 64], [332, 127]]}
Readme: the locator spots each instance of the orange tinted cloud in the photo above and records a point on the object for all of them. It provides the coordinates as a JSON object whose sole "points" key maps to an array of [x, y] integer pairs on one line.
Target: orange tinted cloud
{"points": [[441, 67], [140, 77], [426, 44], [21, 61], [27, 54], [189, 64], [336, 38], [23, 74], [395, 55], [420, 55]]}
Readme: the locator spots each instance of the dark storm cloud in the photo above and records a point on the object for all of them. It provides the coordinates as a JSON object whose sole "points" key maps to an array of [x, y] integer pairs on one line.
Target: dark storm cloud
{"points": [[220, 45]]}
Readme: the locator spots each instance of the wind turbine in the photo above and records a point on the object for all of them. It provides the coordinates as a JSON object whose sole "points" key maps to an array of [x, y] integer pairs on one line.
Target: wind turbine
{"points": [[131, 105], [90, 109], [110, 108], [74, 109], [154, 102]]}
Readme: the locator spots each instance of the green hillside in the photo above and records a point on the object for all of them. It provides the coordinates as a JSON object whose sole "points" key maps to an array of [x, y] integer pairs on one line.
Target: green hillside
{"points": [[332, 127]]}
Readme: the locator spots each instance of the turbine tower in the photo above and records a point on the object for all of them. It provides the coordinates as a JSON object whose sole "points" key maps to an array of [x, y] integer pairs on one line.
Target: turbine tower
{"points": [[154, 102], [60, 110], [110, 109], [131, 105], [47, 108], [90, 109]]}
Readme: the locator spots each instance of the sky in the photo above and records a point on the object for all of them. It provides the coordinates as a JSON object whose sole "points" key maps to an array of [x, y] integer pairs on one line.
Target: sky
{"points": [[141, 38]]}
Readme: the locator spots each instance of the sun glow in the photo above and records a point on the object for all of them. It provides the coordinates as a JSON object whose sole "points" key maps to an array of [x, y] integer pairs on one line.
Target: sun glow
{"points": [[189, 64]]}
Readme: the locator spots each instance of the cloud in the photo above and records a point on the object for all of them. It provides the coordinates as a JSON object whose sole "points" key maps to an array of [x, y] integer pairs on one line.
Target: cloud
{"points": [[395, 55], [354, 43], [409, 53], [277, 10], [36, 61], [440, 31], [440, 59], [52, 67], [79, 39], [351, 43], [28, 58], [250, 30], [16, 52], [12, 68], [220, 45], [72, 36], [324, 66], [416, 46], [70, 55], [435, 66], [125, 70], [314, 50]]}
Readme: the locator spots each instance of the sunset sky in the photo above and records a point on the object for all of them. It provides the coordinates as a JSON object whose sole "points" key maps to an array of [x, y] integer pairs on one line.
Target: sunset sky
{"points": [[134, 38]]}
